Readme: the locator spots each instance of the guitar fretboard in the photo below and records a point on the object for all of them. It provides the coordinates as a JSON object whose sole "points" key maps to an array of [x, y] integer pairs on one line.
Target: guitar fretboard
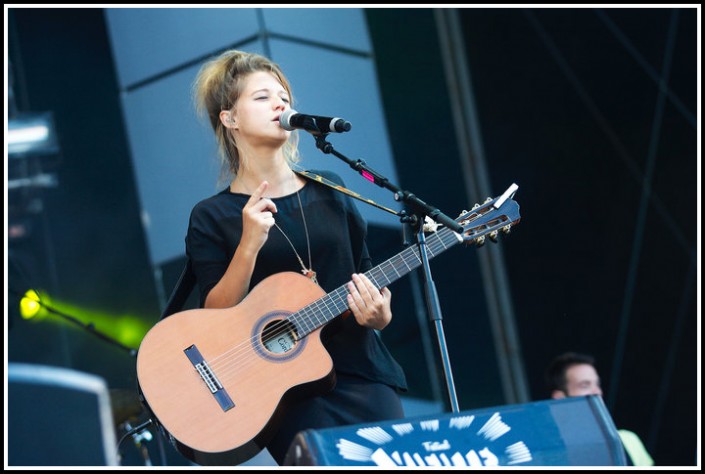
{"points": [[324, 309]]}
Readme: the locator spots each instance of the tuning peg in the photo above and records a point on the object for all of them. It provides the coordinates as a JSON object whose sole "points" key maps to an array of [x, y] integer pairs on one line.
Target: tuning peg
{"points": [[507, 229], [494, 236], [487, 200], [475, 206], [480, 241]]}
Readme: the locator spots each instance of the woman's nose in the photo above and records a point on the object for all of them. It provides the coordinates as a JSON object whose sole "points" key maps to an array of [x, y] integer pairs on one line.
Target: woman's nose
{"points": [[279, 103]]}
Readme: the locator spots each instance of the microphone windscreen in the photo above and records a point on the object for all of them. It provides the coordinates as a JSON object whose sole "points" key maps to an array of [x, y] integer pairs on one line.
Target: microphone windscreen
{"points": [[284, 119]]}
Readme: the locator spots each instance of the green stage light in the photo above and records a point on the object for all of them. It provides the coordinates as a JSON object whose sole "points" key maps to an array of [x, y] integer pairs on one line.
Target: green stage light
{"points": [[126, 330]]}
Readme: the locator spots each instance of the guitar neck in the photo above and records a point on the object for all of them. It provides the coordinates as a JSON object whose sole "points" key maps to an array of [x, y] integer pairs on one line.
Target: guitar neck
{"points": [[326, 308]]}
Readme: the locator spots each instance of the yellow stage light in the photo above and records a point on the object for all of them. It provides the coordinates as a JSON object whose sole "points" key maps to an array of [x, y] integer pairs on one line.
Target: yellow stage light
{"points": [[30, 304]]}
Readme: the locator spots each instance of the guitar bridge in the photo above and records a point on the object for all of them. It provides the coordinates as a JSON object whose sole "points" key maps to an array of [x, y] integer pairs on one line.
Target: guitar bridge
{"points": [[209, 378]]}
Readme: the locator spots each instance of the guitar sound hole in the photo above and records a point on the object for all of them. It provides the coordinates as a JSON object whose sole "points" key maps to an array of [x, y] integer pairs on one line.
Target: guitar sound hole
{"points": [[279, 336]]}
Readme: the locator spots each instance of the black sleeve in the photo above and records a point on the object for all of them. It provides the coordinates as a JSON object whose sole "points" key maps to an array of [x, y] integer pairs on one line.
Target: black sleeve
{"points": [[206, 250]]}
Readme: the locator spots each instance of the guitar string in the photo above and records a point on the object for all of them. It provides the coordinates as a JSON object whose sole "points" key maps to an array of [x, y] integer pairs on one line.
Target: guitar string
{"points": [[223, 367], [283, 324], [245, 374], [307, 316], [432, 248], [282, 328], [225, 374]]}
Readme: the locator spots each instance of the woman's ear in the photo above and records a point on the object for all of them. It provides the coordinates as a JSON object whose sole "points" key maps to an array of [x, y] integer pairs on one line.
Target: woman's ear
{"points": [[226, 118]]}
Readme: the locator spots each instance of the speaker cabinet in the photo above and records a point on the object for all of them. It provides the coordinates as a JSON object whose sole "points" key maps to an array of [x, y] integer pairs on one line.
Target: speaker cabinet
{"points": [[575, 431], [58, 417]]}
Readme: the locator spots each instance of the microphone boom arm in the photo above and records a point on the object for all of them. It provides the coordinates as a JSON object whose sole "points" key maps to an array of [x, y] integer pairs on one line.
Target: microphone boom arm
{"points": [[413, 202]]}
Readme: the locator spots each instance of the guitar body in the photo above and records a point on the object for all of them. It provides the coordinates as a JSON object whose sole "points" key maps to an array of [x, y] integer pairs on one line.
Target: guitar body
{"points": [[227, 412]]}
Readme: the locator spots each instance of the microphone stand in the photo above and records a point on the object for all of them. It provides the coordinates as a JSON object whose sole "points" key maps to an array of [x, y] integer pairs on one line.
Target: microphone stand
{"points": [[416, 218]]}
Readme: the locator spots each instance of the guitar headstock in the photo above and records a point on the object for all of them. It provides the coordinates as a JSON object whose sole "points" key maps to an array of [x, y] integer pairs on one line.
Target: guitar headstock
{"points": [[490, 218]]}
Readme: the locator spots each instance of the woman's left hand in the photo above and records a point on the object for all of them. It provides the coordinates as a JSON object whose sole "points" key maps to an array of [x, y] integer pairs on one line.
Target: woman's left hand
{"points": [[371, 307]]}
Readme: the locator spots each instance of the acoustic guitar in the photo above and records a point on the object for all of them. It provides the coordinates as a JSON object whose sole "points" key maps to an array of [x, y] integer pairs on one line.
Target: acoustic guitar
{"points": [[217, 381]]}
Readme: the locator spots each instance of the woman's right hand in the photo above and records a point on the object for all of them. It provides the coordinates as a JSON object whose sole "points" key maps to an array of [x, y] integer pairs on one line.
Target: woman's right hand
{"points": [[257, 219]]}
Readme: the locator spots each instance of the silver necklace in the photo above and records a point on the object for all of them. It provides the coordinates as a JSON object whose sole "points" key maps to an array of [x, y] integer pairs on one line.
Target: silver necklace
{"points": [[308, 272]]}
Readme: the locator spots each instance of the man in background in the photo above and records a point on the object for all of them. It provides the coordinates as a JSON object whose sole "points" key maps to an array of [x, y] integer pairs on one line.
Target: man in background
{"points": [[573, 375]]}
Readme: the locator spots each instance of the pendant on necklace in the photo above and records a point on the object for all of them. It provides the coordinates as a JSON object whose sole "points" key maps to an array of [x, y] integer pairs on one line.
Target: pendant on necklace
{"points": [[310, 274]]}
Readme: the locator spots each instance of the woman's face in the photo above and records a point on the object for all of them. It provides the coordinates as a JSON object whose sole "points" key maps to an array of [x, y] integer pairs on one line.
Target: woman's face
{"points": [[256, 113]]}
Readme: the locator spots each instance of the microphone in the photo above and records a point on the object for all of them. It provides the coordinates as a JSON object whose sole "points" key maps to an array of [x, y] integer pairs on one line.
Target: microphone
{"points": [[291, 119]]}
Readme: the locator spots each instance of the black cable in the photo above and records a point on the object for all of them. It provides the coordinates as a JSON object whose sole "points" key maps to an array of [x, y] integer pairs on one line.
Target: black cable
{"points": [[134, 430]]}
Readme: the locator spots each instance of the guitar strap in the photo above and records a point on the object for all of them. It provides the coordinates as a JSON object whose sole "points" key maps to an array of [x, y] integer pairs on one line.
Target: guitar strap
{"points": [[344, 190]]}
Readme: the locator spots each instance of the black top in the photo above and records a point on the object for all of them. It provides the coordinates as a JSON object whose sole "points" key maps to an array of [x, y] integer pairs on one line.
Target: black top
{"points": [[337, 235]]}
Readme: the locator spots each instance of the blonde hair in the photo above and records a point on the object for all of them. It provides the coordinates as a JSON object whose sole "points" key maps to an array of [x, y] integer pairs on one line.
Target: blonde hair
{"points": [[218, 86]]}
